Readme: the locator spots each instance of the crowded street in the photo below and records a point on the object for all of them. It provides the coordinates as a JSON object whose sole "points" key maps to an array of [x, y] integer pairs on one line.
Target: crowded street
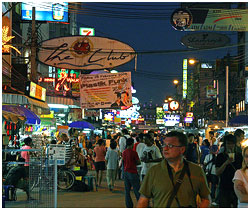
{"points": [[124, 104]]}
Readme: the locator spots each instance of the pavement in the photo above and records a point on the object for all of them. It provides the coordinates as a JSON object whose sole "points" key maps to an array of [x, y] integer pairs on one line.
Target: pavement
{"points": [[103, 198]]}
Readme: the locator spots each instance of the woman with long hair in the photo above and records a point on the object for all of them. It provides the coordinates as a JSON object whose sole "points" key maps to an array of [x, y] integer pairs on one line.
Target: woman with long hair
{"points": [[241, 181]]}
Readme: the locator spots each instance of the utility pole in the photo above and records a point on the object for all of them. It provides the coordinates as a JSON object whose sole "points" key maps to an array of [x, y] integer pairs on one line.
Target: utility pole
{"points": [[33, 76], [227, 78]]}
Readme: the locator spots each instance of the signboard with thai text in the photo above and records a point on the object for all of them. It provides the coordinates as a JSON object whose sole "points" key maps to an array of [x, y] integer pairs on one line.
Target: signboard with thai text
{"points": [[84, 52], [105, 90]]}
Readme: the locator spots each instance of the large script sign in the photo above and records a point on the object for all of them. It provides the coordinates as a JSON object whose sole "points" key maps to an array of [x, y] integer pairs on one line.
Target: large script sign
{"points": [[83, 52], [105, 90]]}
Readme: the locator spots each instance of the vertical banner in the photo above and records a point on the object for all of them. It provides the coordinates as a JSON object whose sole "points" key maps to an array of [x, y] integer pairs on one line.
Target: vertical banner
{"points": [[105, 90]]}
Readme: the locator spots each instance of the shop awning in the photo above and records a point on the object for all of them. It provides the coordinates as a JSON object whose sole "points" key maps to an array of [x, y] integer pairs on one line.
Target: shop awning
{"points": [[31, 117], [62, 100], [10, 116], [8, 98], [239, 120], [81, 125]]}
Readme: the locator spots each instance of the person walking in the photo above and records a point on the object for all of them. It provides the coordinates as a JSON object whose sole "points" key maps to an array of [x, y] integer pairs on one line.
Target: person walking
{"points": [[192, 153], [151, 155], [131, 177], [240, 181], [99, 155], [160, 183], [112, 164], [226, 165]]}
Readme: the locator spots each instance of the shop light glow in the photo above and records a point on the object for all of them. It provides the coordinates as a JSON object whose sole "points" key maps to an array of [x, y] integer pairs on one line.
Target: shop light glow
{"points": [[59, 106]]}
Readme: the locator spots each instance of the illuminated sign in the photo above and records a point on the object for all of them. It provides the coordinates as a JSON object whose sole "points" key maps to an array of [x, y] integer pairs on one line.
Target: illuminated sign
{"points": [[35, 91], [184, 78], [5, 39], [159, 121], [188, 119], [51, 115], [87, 31], [189, 114], [63, 80], [172, 120], [109, 116], [206, 66], [165, 107], [45, 11], [174, 105]]}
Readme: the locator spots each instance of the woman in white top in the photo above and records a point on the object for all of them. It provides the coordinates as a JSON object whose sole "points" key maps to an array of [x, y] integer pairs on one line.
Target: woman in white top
{"points": [[241, 181]]}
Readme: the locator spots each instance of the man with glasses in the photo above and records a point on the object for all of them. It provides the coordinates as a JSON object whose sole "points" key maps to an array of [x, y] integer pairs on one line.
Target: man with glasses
{"points": [[160, 183]]}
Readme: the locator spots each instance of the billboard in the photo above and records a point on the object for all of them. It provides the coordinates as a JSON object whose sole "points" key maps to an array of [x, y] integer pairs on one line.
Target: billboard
{"points": [[219, 20], [105, 90], [86, 31], [45, 11], [84, 52], [205, 40], [35, 91]]}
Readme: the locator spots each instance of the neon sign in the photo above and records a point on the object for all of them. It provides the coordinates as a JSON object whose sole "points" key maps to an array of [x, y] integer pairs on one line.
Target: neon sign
{"points": [[5, 39], [62, 80]]}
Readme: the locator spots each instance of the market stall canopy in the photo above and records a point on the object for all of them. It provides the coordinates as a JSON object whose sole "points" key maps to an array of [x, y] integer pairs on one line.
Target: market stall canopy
{"points": [[81, 125], [10, 116], [9, 98], [239, 120], [31, 117]]}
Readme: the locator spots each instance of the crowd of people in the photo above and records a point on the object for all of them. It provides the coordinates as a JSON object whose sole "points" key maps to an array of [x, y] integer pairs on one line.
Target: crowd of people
{"points": [[171, 170]]}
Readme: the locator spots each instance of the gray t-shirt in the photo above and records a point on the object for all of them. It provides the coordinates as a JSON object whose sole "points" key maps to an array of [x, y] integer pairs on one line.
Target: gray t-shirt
{"points": [[112, 158]]}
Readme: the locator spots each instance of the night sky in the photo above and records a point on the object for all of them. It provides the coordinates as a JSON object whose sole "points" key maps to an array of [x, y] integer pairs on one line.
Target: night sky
{"points": [[135, 25]]}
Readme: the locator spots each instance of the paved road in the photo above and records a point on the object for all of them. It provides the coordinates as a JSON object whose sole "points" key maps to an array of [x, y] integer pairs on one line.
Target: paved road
{"points": [[103, 198]]}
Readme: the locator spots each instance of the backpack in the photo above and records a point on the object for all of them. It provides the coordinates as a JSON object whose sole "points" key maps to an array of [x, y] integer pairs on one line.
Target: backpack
{"points": [[80, 186], [192, 153]]}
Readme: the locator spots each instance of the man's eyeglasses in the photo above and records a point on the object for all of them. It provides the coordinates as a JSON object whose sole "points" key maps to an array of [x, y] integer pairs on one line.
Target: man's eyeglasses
{"points": [[170, 146]]}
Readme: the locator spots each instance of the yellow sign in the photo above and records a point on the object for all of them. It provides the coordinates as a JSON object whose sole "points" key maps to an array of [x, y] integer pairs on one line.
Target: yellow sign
{"points": [[5, 39], [51, 115]]}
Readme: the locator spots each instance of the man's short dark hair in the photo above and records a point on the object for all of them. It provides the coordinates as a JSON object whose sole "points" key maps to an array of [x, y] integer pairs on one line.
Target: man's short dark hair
{"points": [[238, 132], [27, 140], [181, 137], [124, 131], [230, 139], [211, 132], [113, 145], [129, 142], [100, 141], [191, 134]]}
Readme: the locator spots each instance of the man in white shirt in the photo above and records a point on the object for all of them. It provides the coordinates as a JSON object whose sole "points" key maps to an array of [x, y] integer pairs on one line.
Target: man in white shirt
{"points": [[122, 145], [151, 155], [123, 139]]}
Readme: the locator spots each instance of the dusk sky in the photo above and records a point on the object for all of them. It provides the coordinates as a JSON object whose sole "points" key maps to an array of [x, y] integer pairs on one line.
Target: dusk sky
{"points": [[146, 27]]}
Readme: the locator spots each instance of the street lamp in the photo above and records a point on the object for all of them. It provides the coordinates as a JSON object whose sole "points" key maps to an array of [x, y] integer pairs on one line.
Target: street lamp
{"points": [[176, 82], [192, 61]]}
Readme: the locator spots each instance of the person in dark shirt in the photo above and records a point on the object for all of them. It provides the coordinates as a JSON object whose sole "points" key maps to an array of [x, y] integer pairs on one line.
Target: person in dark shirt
{"points": [[14, 176], [226, 164], [192, 150], [131, 177]]}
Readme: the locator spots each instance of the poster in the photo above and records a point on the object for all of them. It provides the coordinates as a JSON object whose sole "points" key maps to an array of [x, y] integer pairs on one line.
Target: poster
{"points": [[111, 90], [63, 129], [57, 152]]}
